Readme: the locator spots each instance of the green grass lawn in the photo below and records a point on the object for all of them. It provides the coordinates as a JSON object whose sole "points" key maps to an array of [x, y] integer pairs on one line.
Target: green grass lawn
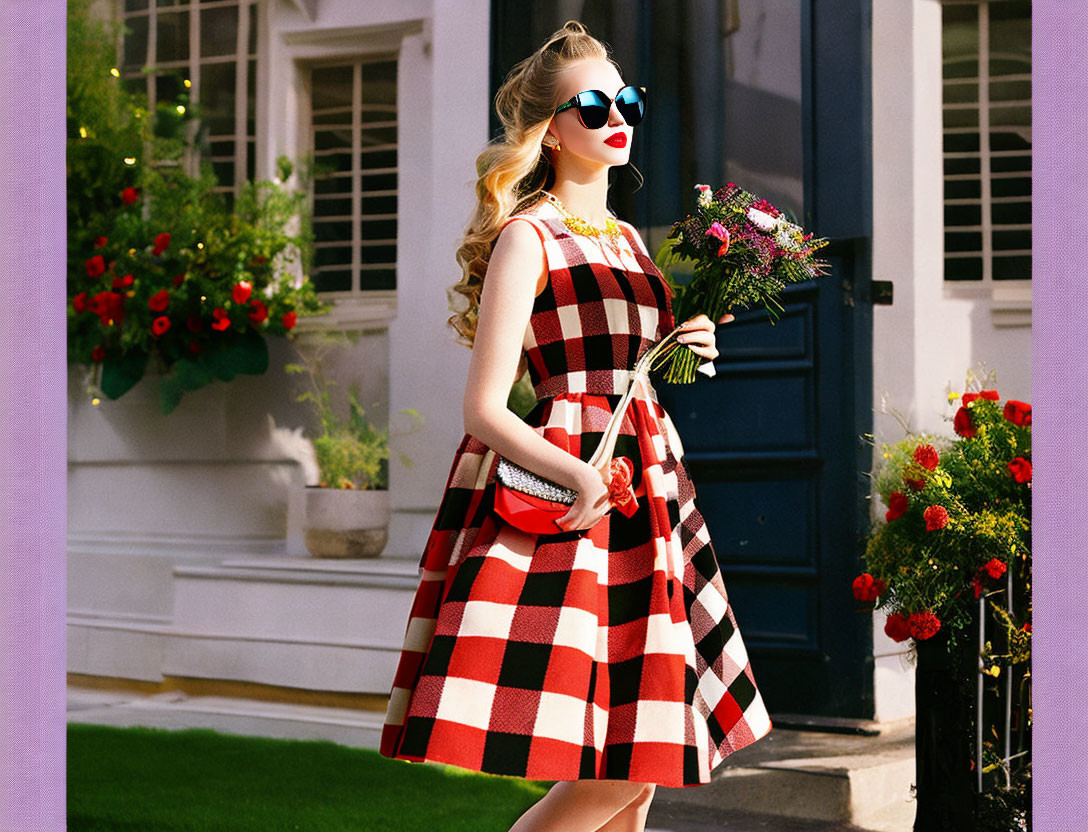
{"points": [[197, 780]]}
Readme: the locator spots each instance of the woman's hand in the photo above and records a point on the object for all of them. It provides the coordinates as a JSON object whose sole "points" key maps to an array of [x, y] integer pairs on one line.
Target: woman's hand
{"points": [[592, 503], [698, 334]]}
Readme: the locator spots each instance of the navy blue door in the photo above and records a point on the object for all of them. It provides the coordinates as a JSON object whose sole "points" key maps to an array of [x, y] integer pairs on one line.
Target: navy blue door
{"points": [[772, 439]]}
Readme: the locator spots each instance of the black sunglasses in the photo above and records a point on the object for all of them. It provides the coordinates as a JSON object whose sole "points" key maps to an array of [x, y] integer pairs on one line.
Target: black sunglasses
{"points": [[593, 106]]}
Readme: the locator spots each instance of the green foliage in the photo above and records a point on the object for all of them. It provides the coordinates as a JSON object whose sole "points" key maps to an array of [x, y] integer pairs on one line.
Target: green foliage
{"points": [[941, 570], [160, 265], [351, 454]]}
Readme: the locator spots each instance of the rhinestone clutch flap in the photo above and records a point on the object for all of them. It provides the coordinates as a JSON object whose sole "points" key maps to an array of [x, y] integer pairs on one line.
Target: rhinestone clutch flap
{"points": [[522, 479]]}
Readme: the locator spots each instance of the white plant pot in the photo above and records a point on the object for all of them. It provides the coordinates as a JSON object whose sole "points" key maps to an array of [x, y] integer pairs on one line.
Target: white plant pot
{"points": [[345, 523]]}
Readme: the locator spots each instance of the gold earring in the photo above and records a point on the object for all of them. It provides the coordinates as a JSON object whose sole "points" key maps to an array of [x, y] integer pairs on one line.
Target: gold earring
{"points": [[552, 142]]}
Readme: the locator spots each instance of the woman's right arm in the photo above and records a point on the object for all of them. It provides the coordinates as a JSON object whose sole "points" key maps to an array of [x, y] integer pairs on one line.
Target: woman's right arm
{"points": [[516, 266]]}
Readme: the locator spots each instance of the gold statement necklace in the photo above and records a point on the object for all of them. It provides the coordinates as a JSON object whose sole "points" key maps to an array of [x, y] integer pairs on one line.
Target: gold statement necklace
{"points": [[611, 233]]}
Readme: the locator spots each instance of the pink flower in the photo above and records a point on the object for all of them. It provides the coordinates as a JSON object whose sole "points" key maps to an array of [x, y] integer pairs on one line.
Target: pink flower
{"points": [[720, 232]]}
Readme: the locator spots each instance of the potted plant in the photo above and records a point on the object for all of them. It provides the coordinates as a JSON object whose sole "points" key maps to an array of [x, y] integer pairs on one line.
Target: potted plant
{"points": [[956, 531], [346, 513]]}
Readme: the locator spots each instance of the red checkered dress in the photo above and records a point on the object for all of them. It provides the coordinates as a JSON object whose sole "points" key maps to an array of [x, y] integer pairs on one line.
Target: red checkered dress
{"points": [[610, 652]]}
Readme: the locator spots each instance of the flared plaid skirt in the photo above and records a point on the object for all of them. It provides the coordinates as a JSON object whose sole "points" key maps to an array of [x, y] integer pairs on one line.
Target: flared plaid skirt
{"points": [[604, 653]]}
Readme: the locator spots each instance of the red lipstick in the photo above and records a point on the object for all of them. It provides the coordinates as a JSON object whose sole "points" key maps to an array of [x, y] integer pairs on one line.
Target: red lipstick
{"points": [[617, 139]]}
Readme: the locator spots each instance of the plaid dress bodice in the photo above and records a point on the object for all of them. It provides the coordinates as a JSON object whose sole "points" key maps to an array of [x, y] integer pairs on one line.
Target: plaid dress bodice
{"points": [[599, 311]]}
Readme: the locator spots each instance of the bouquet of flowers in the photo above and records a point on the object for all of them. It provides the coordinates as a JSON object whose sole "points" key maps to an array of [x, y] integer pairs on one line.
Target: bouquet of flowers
{"points": [[745, 251], [958, 519]]}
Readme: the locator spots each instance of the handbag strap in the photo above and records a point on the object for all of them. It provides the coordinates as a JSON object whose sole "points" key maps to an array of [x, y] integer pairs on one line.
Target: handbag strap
{"points": [[639, 375]]}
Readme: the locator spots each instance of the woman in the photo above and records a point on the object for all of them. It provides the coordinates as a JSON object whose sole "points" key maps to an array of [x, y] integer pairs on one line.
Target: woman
{"points": [[605, 656]]}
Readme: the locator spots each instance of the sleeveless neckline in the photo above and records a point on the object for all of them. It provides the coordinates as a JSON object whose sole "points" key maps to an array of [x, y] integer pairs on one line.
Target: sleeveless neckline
{"points": [[551, 211]]}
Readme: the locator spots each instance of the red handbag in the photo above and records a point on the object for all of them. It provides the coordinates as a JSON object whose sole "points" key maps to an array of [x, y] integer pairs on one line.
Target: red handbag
{"points": [[533, 503]]}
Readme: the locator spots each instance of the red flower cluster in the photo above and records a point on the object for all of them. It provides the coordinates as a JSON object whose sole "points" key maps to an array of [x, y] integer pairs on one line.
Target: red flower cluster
{"points": [[920, 625], [129, 195], [936, 517], [896, 627], [159, 301], [992, 570], [868, 588], [923, 624], [1019, 413], [162, 242], [897, 505], [1020, 469], [96, 266], [927, 456], [109, 307]]}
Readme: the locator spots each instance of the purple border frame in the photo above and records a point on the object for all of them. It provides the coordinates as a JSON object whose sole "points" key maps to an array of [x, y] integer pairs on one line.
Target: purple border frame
{"points": [[1059, 105], [34, 374], [33, 403]]}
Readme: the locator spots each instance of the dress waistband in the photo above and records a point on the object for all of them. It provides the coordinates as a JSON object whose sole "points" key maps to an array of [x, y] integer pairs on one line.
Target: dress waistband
{"points": [[590, 382]]}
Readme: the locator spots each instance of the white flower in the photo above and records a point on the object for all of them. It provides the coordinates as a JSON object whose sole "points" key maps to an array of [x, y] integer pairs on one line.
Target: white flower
{"points": [[704, 194], [762, 219]]}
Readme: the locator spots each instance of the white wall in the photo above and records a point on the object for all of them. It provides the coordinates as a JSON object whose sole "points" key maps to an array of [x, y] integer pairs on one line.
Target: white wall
{"points": [[926, 340], [443, 54]]}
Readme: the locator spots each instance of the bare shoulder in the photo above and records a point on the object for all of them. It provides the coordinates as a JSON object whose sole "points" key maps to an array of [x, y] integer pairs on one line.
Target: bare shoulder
{"points": [[519, 248]]}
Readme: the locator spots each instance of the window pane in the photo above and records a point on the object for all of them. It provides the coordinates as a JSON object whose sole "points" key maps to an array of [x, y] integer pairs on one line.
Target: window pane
{"points": [[332, 281], [172, 37], [959, 41], [332, 256], [332, 87], [1010, 37], [135, 5], [253, 29], [963, 241], [168, 86], [251, 99], [218, 31], [963, 268], [332, 184], [332, 140], [1009, 213], [378, 279], [1012, 240], [379, 90], [1013, 268], [217, 97], [135, 51], [337, 231]]}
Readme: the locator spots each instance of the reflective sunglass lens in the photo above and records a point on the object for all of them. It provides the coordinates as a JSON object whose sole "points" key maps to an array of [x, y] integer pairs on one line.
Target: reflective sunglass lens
{"points": [[631, 105], [593, 109]]}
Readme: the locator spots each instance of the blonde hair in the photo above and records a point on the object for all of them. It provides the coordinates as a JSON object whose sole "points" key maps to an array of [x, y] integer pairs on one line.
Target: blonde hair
{"points": [[514, 169]]}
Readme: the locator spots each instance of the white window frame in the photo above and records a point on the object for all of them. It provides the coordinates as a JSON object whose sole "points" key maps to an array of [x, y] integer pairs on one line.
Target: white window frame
{"points": [[356, 266], [1010, 300], [303, 48]]}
